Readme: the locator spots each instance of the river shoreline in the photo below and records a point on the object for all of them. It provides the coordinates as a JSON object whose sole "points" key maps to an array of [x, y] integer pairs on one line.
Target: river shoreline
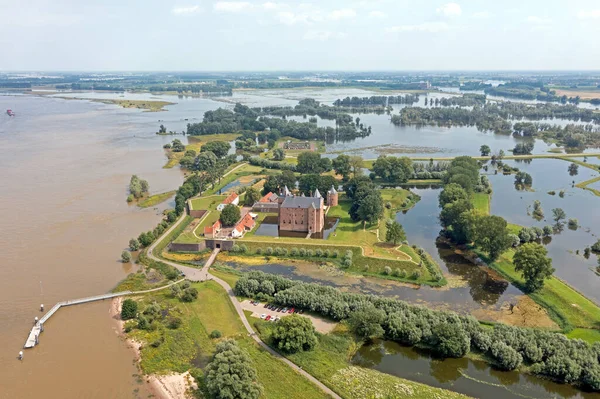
{"points": [[173, 386]]}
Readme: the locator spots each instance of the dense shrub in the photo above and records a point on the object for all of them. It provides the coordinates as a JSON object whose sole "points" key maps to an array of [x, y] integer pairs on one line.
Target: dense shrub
{"points": [[506, 357], [446, 333], [128, 309]]}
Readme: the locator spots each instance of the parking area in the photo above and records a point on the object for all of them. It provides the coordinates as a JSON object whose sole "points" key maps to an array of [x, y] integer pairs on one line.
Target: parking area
{"points": [[321, 325]]}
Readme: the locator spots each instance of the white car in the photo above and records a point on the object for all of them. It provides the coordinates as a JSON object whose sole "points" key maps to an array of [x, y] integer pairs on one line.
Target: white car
{"points": [[262, 316]]}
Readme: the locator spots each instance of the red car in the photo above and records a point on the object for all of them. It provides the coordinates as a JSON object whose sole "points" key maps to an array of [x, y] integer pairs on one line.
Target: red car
{"points": [[268, 318], [291, 310]]}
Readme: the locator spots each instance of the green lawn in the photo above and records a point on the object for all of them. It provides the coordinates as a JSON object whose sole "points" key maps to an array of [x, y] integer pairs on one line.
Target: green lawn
{"points": [[190, 346], [481, 203], [588, 335], [207, 203], [155, 199], [171, 236]]}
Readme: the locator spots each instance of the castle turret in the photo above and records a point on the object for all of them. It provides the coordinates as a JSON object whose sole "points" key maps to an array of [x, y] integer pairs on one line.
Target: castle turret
{"points": [[332, 197]]}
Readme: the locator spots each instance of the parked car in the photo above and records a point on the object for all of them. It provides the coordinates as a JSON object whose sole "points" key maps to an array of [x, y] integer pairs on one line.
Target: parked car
{"points": [[284, 310], [266, 304], [268, 318], [262, 316], [301, 311], [291, 310]]}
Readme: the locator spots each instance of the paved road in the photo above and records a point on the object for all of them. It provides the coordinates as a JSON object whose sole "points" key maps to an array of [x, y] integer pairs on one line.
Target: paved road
{"points": [[203, 274]]}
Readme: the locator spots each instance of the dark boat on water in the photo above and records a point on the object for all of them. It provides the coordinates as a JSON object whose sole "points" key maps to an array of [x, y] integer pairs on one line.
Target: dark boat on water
{"points": [[9, 112]]}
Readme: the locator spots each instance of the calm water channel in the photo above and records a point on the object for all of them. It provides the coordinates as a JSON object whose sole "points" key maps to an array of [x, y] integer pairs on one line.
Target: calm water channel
{"points": [[471, 377], [66, 165]]}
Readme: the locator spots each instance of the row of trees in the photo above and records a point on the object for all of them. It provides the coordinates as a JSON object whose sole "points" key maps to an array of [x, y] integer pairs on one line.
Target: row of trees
{"points": [[498, 117], [381, 101], [445, 333]]}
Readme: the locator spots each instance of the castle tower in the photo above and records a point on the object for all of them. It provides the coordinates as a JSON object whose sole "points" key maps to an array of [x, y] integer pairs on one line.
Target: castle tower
{"points": [[332, 197]]}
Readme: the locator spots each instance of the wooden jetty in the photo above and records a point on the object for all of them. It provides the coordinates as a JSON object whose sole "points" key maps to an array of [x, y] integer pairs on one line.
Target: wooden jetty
{"points": [[34, 334]]}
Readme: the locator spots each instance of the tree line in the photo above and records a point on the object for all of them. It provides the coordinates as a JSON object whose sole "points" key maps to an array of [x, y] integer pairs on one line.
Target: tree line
{"points": [[376, 101], [445, 333], [498, 118]]}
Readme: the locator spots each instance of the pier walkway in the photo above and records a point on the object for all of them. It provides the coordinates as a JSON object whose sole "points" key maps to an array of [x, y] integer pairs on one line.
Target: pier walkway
{"points": [[38, 328]]}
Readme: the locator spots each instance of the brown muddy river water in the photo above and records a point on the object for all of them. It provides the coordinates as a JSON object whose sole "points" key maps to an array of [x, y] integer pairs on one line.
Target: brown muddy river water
{"points": [[65, 169]]}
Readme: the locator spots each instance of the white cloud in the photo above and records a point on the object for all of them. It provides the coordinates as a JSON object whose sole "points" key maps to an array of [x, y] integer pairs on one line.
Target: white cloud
{"points": [[450, 10], [271, 6], [482, 14], [377, 14], [336, 15], [323, 35], [289, 18], [538, 20], [432, 27], [232, 6], [187, 10], [586, 14]]}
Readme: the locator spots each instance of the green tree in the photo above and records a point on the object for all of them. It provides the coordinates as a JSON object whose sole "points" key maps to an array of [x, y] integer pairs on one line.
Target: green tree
{"points": [[450, 340], [491, 235], [311, 162], [452, 192], [189, 294], [177, 146], [395, 232], [230, 374], [530, 259], [294, 333], [370, 208], [252, 196], [367, 323], [356, 165], [558, 215], [219, 148], [278, 154], [342, 166], [485, 150], [129, 309], [134, 244], [125, 257], [205, 161], [230, 215]]}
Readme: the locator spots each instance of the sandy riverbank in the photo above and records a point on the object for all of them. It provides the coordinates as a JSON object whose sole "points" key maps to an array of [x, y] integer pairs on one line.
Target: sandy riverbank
{"points": [[172, 386]]}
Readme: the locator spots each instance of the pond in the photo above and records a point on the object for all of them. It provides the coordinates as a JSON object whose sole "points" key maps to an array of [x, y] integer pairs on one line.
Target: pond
{"points": [[270, 227], [470, 377]]}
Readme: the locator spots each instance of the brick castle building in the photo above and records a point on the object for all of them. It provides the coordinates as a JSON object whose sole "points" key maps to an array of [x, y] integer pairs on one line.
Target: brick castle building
{"points": [[301, 214]]}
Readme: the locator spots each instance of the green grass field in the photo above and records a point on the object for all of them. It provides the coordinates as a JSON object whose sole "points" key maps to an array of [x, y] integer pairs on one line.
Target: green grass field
{"points": [[481, 203], [155, 199], [207, 203], [190, 346], [195, 143]]}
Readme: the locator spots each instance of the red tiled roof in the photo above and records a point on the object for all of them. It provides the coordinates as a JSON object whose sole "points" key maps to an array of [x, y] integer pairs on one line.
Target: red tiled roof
{"points": [[270, 197], [230, 199], [211, 229]]}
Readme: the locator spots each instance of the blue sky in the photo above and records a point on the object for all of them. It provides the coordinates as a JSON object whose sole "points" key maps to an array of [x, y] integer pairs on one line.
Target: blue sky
{"points": [[299, 35]]}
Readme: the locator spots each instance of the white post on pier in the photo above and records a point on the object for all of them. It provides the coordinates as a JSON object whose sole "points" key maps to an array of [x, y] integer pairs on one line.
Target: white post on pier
{"points": [[20, 355], [35, 320], [42, 307]]}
